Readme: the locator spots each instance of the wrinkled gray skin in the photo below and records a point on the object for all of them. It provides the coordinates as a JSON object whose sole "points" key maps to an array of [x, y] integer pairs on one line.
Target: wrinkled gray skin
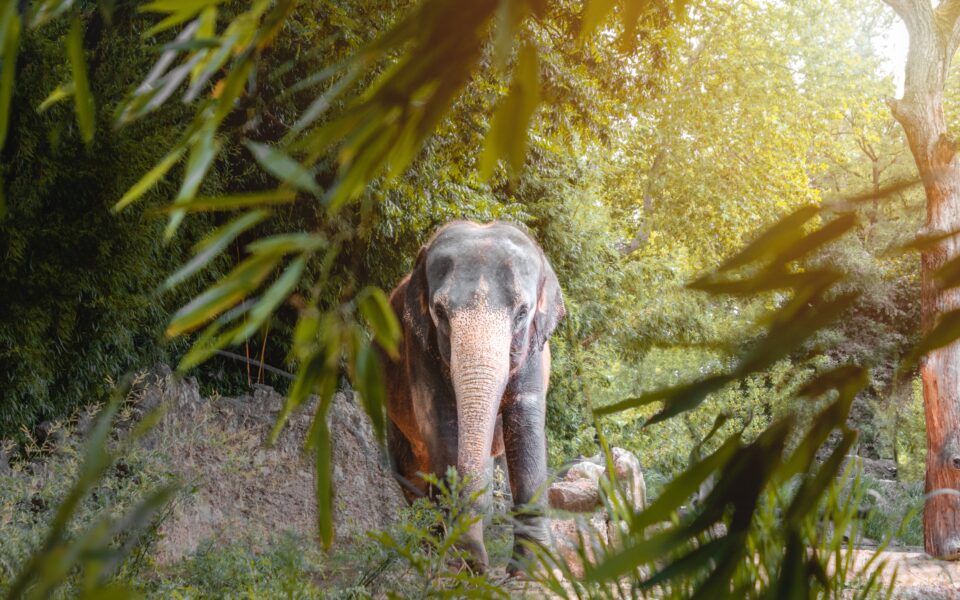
{"points": [[477, 312]]}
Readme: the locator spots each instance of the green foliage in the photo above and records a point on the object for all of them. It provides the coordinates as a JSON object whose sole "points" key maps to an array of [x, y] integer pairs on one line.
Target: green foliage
{"points": [[290, 568], [78, 284], [896, 513], [429, 548], [82, 547], [911, 436], [764, 560]]}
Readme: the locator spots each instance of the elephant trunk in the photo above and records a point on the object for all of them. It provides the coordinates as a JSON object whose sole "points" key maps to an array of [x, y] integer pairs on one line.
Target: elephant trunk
{"points": [[479, 368]]}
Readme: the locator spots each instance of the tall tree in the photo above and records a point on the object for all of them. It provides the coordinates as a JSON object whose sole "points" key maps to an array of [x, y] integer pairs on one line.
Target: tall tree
{"points": [[934, 37]]}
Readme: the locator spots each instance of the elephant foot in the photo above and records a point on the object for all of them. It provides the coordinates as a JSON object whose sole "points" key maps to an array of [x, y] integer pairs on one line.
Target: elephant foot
{"points": [[527, 536], [474, 553]]}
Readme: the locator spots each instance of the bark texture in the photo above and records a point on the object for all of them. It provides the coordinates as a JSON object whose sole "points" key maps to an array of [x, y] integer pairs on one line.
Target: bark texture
{"points": [[933, 41]]}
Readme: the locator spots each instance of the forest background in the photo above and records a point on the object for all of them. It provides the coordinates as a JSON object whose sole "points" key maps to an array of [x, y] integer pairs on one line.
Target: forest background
{"points": [[659, 145], [644, 169]]}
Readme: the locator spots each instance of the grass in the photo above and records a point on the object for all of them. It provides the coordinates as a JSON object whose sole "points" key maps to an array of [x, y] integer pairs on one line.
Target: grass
{"points": [[900, 511]]}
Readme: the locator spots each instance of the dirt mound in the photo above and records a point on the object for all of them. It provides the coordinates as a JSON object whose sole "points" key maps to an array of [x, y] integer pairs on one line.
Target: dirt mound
{"points": [[241, 490]]}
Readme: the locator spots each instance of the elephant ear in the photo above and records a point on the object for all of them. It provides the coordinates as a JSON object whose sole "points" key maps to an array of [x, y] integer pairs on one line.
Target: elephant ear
{"points": [[415, 313], [550, 308]]}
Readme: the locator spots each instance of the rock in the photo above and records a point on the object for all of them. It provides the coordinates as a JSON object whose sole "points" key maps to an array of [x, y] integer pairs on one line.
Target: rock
{"points": [[579, 489], [877, 468], [566, 536], [367, 495], [588, 470], [245, 491], [627, 467], [579, 495]]}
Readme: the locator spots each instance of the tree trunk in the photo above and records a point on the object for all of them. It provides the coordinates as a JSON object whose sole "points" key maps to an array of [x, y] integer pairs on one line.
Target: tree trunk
{"points": [[920, 113]]}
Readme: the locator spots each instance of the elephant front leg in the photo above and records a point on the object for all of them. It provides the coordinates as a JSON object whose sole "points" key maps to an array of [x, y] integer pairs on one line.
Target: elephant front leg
{"points": [[524, 437], [443, 444]]}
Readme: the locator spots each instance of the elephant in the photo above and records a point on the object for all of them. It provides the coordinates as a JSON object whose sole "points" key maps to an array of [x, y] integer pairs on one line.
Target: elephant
{"points": [[477, 312]]}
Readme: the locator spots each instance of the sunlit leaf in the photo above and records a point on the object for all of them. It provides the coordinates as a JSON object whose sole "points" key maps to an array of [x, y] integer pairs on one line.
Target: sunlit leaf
{"points": [[318, 439], [150, 179], [236, 201], [61, 92], [230, 290], [285, 243], [49, 10], [271, 299], [371, 387], [308, 375], [594, 14], [507, 137]]}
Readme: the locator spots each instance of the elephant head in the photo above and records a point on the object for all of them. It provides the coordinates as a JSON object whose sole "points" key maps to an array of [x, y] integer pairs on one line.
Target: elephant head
{"points": [[482, 299]]}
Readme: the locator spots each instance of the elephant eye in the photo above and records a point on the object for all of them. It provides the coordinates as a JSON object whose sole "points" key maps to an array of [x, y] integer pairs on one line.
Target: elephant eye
{"points": [[521, 315], [440, 312]]}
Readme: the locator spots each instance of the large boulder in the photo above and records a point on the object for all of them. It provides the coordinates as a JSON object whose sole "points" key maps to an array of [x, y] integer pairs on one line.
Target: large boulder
{"points": [[243, 490], [578, 491], [588, 532], [368, 497]]}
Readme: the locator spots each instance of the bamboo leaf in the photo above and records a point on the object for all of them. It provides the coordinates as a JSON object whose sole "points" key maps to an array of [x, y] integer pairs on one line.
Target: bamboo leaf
{"points": [[684, 394], [203, 151], [774, 240], [321, 443], [169, 6], [508, 133], [308, 375], [236, 201], [271, 299], [812, 489], [61, 92], [377, 312], [150, 179], [678, 491], [10, 48], [215, 243], [82, 98], [284, 168], [170, 21], [206, 345], [48, 11], [243, 280], [594, 14], [371, 387], [285, 243], [944, 333]]}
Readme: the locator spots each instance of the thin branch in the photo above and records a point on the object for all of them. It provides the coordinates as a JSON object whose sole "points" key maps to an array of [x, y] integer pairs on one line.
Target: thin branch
{"points": [[256, 363]]}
